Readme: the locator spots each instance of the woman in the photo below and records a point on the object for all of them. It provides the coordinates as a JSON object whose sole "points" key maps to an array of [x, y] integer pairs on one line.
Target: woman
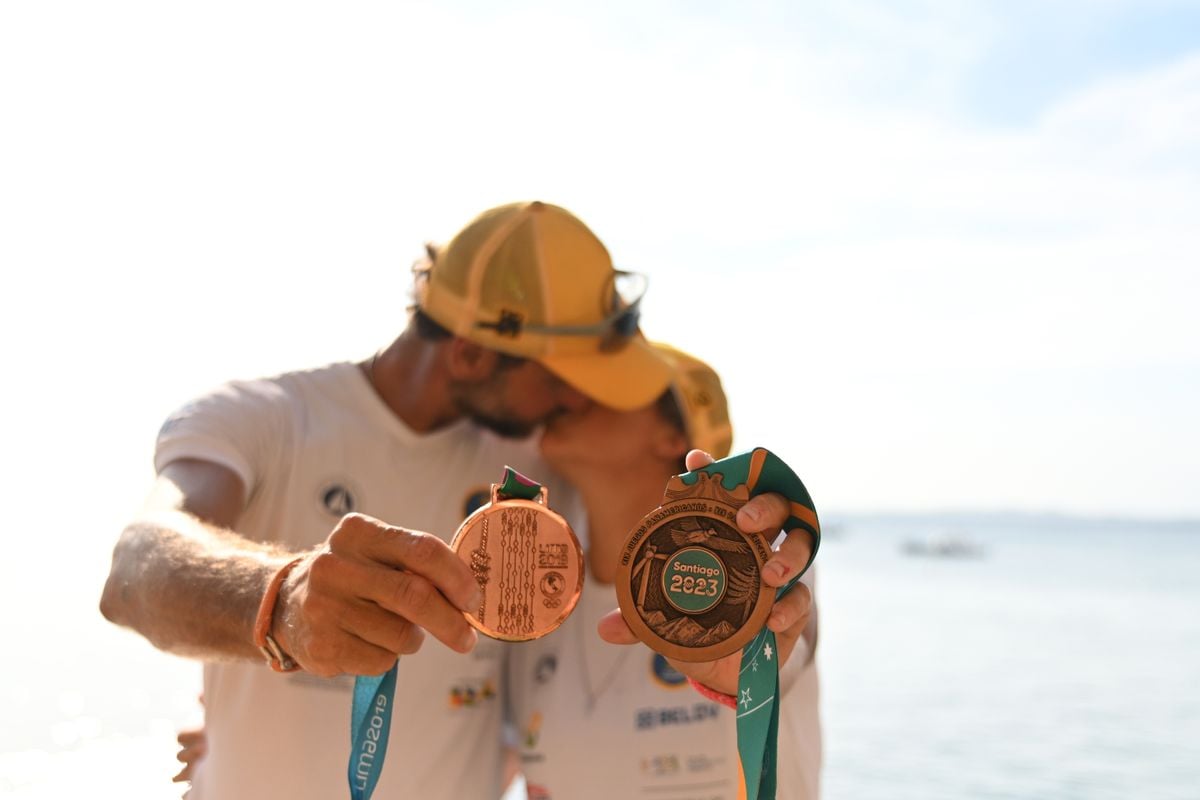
{"points": [[598, 721]]}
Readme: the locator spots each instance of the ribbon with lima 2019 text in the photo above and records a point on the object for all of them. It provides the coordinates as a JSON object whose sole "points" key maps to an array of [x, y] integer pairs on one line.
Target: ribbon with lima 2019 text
{"points": [[370, 723], [374, 695]]}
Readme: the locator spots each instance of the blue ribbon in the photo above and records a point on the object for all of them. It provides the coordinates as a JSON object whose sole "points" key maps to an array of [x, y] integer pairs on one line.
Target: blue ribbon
{"points": [[370, 723], [375, 695]]}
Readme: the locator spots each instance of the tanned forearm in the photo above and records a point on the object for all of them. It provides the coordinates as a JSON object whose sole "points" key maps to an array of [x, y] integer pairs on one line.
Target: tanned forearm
{"points": [[189, 587]]}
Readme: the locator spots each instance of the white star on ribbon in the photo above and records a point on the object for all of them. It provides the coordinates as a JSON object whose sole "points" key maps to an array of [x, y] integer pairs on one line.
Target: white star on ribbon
{"points": [[767, 651], [746, 699]]}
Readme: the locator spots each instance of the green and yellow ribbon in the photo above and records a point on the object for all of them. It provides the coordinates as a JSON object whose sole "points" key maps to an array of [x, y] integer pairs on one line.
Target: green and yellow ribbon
{"points": [[761, 471]]}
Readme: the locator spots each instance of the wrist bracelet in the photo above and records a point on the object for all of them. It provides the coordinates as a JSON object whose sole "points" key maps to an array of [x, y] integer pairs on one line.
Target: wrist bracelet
{"points": [[713, 694], [276, 657]]}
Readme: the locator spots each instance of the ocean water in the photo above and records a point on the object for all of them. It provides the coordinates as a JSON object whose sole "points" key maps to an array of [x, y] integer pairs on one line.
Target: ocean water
{"points": [[1062, 660]]}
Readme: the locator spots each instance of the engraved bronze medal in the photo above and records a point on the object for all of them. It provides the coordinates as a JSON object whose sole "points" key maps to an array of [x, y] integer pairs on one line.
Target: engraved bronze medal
{"points": [[689, 582], [690, 586], [526, 559]]}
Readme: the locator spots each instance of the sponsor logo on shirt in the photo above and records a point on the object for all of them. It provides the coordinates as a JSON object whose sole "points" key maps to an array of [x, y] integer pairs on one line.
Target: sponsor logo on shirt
{"points": [[660, 765], [699, 762], [476, 499], [470, 693], [650, 718], [532, 731], [545, 668], [664, 674], [338, 499]]}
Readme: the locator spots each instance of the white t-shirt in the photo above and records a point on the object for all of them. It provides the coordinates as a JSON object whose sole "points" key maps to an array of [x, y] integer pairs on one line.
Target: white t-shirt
{"points": [[311, 446], [597, 721]]}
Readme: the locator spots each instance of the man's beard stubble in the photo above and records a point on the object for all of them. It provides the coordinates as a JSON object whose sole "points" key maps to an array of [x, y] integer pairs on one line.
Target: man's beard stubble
{"points": [[493, 417], [508, 428]]}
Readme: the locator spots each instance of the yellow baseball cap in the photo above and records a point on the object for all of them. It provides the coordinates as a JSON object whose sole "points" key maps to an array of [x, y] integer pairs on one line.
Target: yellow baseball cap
{"points": [[701, 401], [530, 279]]}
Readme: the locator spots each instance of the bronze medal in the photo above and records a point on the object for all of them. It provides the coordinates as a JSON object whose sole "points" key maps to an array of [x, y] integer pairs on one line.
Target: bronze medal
{"points": [[528, 564], [689, 581]]}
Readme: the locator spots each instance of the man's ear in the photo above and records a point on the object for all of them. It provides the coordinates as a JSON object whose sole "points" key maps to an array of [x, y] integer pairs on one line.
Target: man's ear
{"points": [[468, 361]]}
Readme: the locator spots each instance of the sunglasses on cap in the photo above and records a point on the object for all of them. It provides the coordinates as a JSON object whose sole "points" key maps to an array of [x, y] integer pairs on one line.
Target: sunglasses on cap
{"points": [[615, 330]]}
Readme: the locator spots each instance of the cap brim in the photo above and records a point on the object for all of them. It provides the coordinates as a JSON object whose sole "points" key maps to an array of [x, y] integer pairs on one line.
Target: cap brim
{"points": [[632, 378]]}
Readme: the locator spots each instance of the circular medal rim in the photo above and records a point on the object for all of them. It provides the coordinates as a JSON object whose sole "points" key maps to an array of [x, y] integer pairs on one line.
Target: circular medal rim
{"points": [[568, 606], [724, 581], [755, 622]]}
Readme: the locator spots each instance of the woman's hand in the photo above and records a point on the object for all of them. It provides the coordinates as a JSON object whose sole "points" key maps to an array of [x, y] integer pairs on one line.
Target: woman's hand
{"points": [[766, 512]]}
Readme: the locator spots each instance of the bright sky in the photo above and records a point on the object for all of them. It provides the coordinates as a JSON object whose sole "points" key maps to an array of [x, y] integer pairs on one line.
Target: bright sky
{"points": [[945, 254]]}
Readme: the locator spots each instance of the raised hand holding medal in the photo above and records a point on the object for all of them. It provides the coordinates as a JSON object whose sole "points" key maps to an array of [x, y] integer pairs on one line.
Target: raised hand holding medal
{"points": [[529, 568], [716, 525]]}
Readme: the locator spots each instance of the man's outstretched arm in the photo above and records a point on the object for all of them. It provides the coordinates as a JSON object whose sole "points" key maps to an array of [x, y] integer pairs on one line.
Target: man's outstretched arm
{"points": [[183, 578]]}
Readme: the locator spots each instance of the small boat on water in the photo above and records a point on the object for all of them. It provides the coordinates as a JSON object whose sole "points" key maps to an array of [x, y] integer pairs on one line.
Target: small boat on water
{"points": [[950, 546]]}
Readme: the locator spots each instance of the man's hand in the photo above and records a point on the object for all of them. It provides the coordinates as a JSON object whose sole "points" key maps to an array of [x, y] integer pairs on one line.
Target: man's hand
{"points": [[766, 512], [186, 580], [368, 594]]}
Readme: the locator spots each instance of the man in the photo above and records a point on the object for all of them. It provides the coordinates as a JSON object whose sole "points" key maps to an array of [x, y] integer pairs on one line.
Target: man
{"points": [[519, 320]]}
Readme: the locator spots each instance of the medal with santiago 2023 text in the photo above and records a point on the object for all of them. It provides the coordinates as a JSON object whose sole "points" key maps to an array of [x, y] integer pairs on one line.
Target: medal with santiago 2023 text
{"points": [[529, 566], [689, 583]]}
